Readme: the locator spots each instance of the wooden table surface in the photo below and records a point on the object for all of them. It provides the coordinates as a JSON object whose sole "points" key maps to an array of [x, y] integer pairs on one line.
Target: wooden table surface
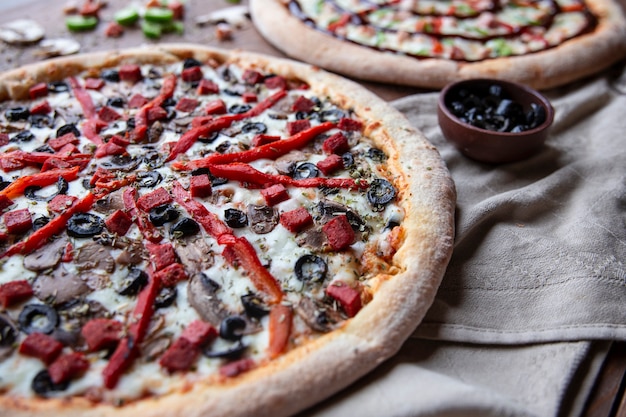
{"points": [[607, 397]]}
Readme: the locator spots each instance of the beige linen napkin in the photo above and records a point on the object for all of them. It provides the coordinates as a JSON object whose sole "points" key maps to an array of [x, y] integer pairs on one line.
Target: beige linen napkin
{"points": [[536, 287]]}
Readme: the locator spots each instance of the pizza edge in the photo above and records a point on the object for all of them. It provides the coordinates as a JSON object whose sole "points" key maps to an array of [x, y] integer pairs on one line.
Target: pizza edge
{"points": [[575, 59], [339, 358]]}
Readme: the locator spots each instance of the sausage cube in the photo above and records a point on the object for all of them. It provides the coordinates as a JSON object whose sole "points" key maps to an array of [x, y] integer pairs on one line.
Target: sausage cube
{"points": [[154, 199], [348, 297], [275, 194], [41, 346], [200, 186], [18, 221], [13, 292], [331, 164], [118, 222], [336, 143], [296, 220], [339, 233], [68, 367]]}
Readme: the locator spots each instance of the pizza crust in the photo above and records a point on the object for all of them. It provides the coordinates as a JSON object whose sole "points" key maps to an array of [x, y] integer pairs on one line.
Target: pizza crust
{"points": [[310, 373], [583, 56]]}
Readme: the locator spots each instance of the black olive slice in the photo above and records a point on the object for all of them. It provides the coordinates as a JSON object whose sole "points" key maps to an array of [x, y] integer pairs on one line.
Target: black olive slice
{"points": [[44, 149], [333, 115], [58, 87], [82, 225], [40, 222], [191, 62], [42, 384], [8, 332], [110, 75], [68, 128], [381, 192], [40, 120], [233, 352], [306, 170], [38, 318], [148, 179], [31, 192], [185, 227], [210, 138], [239, 108], [17, 113], [376, 155], [116, 102], [232, 327], [124, 163], [235, 218], [134, 282], [22, 137], [163, 214], [166, 297], [255, 128], [348, 160], [253, 306], [311, 268]]}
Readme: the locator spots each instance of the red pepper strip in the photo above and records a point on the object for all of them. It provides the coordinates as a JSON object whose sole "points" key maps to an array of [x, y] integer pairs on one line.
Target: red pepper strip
{"points": [[246, 257], [40, 179], [128, 348], [263, 105], [238, 171], [141, 117], [209, 221], [145, 226], [40, 158], [90, 130], [281, 317], [83, 97], [269, 151], [189, 138], [104, 187], [40, 236]]}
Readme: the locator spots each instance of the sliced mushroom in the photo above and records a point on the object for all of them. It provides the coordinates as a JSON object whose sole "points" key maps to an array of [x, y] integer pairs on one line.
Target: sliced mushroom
{"points": [[262, 219], [8, 336], [237, 16], [93, 255], [21, 32], [47, 256], [313, 238], [319, 317], [195, 253], [59, 287], [286, 164], [133, 251], [49, 48], [202, 293], [109, 203]]}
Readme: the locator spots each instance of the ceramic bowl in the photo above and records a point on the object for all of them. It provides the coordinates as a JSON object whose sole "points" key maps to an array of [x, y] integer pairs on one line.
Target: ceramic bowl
{"points": [[494, 121]]}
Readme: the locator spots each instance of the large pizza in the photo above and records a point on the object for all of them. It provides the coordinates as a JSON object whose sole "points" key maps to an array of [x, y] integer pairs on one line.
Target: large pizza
{"points": [[429, 43], [188, 231]]}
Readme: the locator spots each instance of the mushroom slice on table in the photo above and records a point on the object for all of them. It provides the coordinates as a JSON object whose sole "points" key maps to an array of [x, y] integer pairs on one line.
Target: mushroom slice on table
{"points": [[49, 48], [21, 32]]}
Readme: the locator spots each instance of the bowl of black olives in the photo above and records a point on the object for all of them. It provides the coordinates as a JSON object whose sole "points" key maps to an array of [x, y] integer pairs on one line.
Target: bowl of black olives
{"points": [[494, 121]]}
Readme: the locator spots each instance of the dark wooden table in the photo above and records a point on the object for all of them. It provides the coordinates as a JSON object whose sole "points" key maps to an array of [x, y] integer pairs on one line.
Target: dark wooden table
{"points": [[607, 397]]}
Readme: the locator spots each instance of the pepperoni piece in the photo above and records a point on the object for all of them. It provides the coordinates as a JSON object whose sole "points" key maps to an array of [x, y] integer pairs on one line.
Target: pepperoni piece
{"points": [[296, 220], [14, 292], [18, 221], [339, 233], [41, 346]]}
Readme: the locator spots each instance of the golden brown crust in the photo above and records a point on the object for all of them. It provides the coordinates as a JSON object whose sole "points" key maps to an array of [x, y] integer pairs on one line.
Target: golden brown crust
{"points": [[573, 60], [316, 370]]}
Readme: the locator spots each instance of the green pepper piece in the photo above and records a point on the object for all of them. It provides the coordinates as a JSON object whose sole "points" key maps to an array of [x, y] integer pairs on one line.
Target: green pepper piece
{"points": [[159, 15], [151, 30], [81, 23], [127, 17]]}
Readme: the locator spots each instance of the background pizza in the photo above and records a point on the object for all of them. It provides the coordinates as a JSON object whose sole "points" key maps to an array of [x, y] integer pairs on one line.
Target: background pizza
{"points": [[431, 43]]}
